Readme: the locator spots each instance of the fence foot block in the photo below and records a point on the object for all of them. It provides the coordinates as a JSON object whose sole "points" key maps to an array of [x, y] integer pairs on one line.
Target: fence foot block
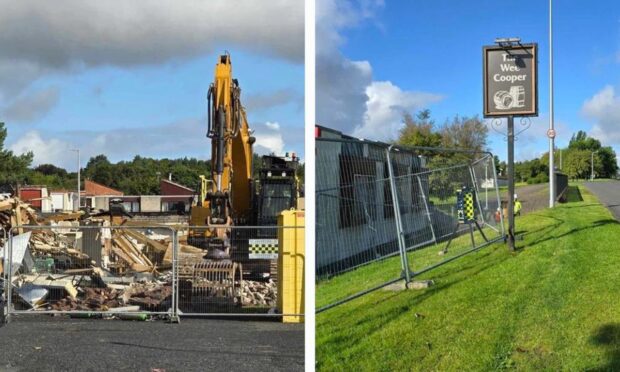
{"points": [[420, 284], [402, 285]]}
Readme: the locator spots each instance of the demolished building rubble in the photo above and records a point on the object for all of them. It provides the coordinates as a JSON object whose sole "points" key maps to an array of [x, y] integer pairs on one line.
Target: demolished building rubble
{"points": [[99, 269]]}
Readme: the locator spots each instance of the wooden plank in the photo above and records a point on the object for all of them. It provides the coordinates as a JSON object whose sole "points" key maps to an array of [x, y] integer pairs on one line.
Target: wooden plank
{"points": [[146, 240], [131, 250], [18, 217], [7, 205], [64, 217]]}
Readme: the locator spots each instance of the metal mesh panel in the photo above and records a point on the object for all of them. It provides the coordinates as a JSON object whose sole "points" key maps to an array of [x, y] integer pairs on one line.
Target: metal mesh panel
{"points": [[461, 207], [354, 218], [50, 272], [364, 231], [245, 282]]}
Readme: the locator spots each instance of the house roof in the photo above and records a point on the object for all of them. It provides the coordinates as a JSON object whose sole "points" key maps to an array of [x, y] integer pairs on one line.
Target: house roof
{"points": [[177, 188], [93, 188]]}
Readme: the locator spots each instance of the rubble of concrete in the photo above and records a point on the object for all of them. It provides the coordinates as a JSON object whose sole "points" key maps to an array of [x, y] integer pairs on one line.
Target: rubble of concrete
{"points": [[59, 267], [255, 293]]}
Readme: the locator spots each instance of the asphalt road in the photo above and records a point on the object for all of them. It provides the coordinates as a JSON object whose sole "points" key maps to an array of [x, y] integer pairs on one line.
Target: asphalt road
{"points": [[59, 344], [533, 197], [609, 194]]}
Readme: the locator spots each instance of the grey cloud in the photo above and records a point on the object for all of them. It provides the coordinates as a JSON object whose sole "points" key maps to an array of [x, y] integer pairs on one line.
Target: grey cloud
{"points": [[340, 83], [30, 107], [39, 37], [341, 91], [257, 102]]}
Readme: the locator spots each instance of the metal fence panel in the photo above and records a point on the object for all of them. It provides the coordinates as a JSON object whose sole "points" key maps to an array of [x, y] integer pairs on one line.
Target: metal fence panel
{"points": [[355, 219], [49, 273], [4, 278], [245, 283], [461, 205], [390, 213]]}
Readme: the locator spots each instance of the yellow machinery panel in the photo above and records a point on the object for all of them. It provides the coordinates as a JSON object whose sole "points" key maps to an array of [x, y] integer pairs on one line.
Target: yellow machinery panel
{"points": [[291, 259]]}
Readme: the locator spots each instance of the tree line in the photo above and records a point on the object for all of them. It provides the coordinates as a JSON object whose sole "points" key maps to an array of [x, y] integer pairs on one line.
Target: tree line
{"points": [[139, 176], [471, 133], [575, 161]]}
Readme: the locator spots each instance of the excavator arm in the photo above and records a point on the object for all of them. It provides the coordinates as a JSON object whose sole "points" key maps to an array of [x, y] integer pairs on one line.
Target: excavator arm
{"points": [[231, 148], [228, 199]]}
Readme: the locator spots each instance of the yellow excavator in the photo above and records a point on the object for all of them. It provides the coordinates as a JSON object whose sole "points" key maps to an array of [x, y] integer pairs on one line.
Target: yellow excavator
{"points": [[230, 197], [229, 200]]}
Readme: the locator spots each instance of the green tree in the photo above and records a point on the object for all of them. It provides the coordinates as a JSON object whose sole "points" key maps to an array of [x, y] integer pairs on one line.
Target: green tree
{"points": [[465, 133], [577, 163], [581, 141], [419, 131], [99, 169], [13, 168]]}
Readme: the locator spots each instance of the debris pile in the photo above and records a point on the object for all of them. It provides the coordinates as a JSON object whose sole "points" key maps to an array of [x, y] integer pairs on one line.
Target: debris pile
{"points": [[62, 267], [14, 212], [96, 299], [255, 293]]}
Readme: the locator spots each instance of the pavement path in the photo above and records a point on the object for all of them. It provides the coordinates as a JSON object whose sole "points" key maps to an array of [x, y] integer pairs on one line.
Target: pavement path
{"points": [[61, 344], [608, 192]]}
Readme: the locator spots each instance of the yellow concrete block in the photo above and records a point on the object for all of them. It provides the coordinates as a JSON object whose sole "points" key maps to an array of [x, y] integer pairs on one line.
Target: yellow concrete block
{"points": [[291, 259]]}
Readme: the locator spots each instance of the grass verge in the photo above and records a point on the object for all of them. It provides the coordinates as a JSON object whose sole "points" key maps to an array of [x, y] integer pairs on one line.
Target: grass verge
{"points": [[552, 305]]}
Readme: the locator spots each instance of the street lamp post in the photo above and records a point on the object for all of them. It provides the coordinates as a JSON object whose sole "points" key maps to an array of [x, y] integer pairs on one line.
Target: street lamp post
{"points": [[551, 130], [592, 166], [79, 186]]}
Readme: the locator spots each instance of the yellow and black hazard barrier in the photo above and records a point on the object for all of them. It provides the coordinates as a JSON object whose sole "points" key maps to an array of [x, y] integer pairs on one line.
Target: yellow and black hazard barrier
{"points": [[465, 201], [264, 249]]}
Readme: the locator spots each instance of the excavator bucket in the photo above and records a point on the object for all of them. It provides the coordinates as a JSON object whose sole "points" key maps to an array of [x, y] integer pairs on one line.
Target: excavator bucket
{"points": [[214, 283]]}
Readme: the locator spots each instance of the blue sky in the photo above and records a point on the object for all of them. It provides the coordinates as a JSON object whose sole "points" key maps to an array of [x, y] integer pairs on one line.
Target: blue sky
{"points": [[131, 79], [428, 53]]}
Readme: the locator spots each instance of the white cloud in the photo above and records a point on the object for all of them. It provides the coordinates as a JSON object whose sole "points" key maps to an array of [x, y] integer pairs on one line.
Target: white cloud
{"points": [[41, 37], [273, 126], [148, 141], [45, 151], [385, 107], [604, 110], [347, 98], [268, 139]]}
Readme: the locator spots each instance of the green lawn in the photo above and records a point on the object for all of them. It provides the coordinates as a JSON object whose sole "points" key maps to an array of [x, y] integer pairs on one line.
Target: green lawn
{"points": [[553, 305]]}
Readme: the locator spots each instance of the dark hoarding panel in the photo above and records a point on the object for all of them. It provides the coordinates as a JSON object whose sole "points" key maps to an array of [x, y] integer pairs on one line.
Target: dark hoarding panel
{"points": [[510, 80]]}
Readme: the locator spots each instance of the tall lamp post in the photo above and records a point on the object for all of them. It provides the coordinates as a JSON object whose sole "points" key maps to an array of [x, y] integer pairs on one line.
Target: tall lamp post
{"points": [[592, 165], [79, 186], [551, 132]]}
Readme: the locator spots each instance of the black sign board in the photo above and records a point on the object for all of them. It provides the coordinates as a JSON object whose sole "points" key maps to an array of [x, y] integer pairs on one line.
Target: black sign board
{"points": [[510, 80]]}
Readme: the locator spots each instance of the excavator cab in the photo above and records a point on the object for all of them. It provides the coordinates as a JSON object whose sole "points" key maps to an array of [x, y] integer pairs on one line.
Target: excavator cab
{"points": [[277, 188]]}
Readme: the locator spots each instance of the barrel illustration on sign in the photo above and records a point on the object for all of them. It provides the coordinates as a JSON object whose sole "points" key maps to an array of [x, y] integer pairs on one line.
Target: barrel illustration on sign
{"points": [[510, 80], [513, 98]]}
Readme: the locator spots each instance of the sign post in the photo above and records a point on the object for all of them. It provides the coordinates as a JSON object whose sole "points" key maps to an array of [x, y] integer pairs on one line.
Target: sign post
{"points": [[510, 85]]}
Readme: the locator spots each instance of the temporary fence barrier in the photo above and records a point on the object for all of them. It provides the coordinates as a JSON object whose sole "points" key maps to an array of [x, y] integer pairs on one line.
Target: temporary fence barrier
{"points": [[129, 271], [375, 201], [101, 270], [244, 280], [4, 277], [462, 206]]}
